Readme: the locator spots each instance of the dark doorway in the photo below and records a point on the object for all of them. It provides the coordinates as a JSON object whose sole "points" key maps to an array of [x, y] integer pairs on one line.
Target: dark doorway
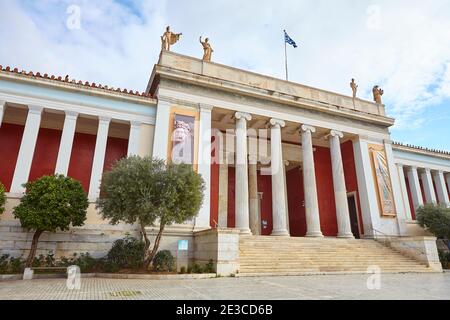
{"points": [[353, 215]]}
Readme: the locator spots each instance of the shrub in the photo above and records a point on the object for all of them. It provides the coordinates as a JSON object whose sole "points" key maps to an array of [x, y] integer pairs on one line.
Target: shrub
{"points": [[127, 253], [209, 267], [164, 261], [436, 219], [444, 257], [183, 270], [196, 268], [2, 198]]}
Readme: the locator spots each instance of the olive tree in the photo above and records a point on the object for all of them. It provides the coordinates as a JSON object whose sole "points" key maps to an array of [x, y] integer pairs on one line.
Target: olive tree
{"points": [[2, 198], [436, 219], [148, 191], [51, 203]]}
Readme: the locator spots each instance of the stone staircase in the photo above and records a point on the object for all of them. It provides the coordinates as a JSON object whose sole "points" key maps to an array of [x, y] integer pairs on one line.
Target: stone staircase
{"points": [[297, 256]]}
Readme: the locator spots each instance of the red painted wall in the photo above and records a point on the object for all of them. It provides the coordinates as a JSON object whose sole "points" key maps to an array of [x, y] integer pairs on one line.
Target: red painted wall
{"points": [[351, 179], [325, 191], [45, 153], [10, 139], [265, 186], [296, 198], [81, 159], [410, 199], [423, 191], [231, 221], [116, 149]]}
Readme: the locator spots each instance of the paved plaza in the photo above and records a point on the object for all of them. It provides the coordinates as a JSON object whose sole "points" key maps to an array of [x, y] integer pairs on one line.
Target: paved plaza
{"points": [[393, 286]]}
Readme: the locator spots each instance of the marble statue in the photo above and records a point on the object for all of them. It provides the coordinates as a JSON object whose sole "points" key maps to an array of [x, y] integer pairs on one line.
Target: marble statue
{"points": [[207, 49], [354, 87], [377, 93], [169, 38]]}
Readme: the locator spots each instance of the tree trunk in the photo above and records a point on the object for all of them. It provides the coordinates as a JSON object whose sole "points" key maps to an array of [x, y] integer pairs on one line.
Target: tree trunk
{"points": [[34, 244], [155, 246], [147, 242]]}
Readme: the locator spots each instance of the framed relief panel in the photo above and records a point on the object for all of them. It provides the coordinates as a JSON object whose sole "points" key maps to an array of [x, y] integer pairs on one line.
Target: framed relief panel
{"points": [[382, 179]]}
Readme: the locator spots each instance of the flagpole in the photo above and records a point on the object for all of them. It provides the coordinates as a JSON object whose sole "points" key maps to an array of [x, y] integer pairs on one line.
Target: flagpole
{"points": [[285, 56]]}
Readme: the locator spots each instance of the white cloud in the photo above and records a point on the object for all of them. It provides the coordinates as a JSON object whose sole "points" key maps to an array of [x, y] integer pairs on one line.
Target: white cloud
{"points": [[406, 49]]}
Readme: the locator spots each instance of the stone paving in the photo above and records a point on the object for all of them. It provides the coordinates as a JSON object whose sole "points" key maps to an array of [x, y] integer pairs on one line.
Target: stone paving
{"points": [[329, 287]]}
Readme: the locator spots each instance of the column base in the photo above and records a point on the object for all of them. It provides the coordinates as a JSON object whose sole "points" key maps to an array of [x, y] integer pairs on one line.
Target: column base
{"points": [[246, 232], [314, 234], [346, 236], [280, 233]]}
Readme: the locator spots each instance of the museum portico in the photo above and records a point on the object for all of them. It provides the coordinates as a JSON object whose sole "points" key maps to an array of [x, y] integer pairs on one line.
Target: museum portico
{"points": [[279, 159]]}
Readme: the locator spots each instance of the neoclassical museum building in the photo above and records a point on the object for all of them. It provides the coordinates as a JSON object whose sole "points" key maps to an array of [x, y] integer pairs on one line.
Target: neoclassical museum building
{"points": [[298, 179]]}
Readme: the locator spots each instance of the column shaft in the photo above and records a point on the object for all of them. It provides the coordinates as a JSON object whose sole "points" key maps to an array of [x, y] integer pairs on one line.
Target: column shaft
{"points": [[340, 190], [27, 147], [99, 158], [241, 190], [134, 138], [428, 187], [255, 223], [223, 191], [65, 146], [309, 182], [401, 175], [416, 191], [2, 111], [441, 188]]}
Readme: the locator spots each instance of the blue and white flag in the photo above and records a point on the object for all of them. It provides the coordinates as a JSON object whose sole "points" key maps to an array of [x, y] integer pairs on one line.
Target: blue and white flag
{"points": [[289, 40]]}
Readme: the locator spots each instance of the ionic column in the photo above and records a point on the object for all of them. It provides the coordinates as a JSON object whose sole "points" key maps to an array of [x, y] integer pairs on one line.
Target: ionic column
{"points": [[134, 138], [309, 183], [223, 190], [161, 137], [278, 181], [340, 190], [65, 146], [99, 157], [441, 188], [27, 146], [242, 199], [255, 223], [428, 187], [2, 111], [447, 178], [286, 164], [401, 175], [416, 191]]}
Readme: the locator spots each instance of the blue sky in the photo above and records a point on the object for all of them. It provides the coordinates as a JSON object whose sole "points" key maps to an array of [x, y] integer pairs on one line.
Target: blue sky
{"points": [[403, 46]]}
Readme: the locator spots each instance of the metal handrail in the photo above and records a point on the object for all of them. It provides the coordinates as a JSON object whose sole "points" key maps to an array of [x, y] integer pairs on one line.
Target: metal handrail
{"points": [[388, 239]]}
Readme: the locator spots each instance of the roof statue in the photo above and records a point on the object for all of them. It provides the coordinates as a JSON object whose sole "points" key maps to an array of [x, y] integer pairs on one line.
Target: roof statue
{"points": [[169, 38], [208, 50], [377, 93]]}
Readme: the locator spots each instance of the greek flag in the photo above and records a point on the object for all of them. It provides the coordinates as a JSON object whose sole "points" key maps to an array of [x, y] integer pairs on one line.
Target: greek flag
{"points": [[289, 40]]}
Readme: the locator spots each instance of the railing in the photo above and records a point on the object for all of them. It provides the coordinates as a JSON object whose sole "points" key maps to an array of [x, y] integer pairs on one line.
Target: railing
{"points": [[387, 240]]}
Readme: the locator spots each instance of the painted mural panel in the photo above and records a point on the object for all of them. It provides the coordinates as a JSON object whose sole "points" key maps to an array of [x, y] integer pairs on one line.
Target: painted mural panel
{"points": [[183, 139], [382, 180]]}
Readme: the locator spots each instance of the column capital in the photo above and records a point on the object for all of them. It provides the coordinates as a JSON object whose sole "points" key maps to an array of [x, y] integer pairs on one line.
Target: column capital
{"points": [[399, 165], [305, 128], [412, 168], [286, 163], [335, 133], [71, 114], [253, 159], [2, 104], [277, 122], [135, 124], [243, 115], [103, 119], [35, 109], [427, 170], [205, 107]]}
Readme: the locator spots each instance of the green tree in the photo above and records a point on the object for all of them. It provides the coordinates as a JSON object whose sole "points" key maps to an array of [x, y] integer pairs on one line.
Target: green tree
{"points": [[436, 219], [2, 198], [51, 203], [146, 191]]}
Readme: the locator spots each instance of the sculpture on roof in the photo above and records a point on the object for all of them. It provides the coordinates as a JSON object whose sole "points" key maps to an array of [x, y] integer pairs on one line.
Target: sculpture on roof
{"points": [[377, 93], [169, 38], [208, 50], [354, 87]]}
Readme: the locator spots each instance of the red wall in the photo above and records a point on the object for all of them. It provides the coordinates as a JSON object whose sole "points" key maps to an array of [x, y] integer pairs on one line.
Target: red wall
{"points": [[296, 198], [325, 191], [10, 139], [82, 157], [231, 221], [351, 179], [423, 191], [116, 149], [410, 200], [265, 186], [45, 153]]}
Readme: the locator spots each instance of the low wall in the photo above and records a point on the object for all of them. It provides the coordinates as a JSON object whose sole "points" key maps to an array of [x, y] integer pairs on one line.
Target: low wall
{"points": [[220, 245], [423, 249]]}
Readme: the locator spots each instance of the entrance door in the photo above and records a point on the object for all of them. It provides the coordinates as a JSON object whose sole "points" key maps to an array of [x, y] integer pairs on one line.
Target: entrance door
{"points": [[353, 215]]}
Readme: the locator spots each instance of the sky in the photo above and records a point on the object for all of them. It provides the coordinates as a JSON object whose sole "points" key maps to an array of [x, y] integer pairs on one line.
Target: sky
{"points": [[402, 45]]}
